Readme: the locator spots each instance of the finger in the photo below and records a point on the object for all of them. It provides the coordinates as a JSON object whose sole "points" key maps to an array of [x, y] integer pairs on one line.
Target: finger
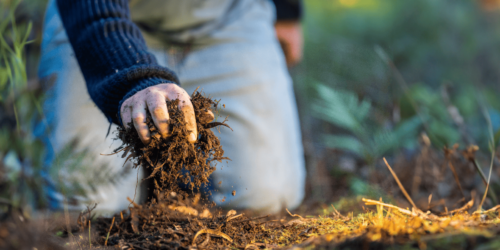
{"points": [[206, 116], [126, 114], [158, 108], [186, 107], [139, 119]]}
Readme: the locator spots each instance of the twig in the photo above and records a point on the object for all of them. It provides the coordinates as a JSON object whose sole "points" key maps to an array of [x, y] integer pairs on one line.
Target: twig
{"points": [[480, 171], [429, 202], [493, 209], [66, 218], [194, 92], [447, 153], [234, 217], [256, 218], [107, 236], [400, 185], [116, 151], [338, 213], [212, 232], [401, 210], [489, 178], [462, 209], [469, 155], [491, 144], [294, 215], [133, 203], [335, 210], [90, 241]]}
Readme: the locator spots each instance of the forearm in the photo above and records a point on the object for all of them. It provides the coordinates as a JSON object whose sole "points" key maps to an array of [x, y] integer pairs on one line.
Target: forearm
{"points": [[111, 52]]}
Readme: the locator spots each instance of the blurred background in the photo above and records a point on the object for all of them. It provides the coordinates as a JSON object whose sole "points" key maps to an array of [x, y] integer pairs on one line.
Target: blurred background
{"points": [[402, 80], [413, 81]]}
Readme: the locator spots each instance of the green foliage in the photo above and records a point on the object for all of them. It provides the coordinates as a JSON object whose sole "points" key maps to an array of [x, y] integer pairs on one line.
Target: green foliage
{"points": [[16, 139], [365, 138], [441, 129], [455, 46], [21, 152], [361, 188]]}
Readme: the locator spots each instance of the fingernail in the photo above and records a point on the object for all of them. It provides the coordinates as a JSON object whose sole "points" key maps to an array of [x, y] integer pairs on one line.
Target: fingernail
{"points": [[192, 137]]}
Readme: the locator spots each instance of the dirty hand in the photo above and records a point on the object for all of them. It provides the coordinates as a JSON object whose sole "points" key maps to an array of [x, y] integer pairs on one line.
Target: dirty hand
{"points": [[154, 99], [289, 34]]}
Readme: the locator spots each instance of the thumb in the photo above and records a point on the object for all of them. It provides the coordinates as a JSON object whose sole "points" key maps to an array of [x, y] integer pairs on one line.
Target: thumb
{"points": [[187, 108]]}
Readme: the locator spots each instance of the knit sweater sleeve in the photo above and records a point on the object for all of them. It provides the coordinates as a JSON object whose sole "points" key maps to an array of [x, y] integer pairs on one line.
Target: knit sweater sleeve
{"points": [[111, 52]]}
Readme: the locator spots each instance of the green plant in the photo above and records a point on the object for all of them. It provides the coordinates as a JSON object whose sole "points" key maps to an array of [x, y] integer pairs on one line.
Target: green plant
{"points": [[459, 53], [16, 112], [23, 170], [364, 137]]}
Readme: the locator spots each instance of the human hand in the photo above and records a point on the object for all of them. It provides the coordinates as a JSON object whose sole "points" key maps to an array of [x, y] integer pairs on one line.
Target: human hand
{"points": [[154, 99], [289, 34]]}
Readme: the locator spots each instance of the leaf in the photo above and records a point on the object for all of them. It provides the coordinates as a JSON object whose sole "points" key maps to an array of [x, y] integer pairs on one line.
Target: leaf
{"points": [[3, 78], [348, 143], [408, 128], [387, 140], [341, 108], [497, 136], [358, 186]]}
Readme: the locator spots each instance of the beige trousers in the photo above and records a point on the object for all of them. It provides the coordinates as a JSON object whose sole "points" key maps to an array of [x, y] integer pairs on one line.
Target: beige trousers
{"points": [[242, 65]]}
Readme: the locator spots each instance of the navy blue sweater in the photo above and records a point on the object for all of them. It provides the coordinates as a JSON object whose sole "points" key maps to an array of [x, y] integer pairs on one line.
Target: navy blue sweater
{"points": [[112, 54]]}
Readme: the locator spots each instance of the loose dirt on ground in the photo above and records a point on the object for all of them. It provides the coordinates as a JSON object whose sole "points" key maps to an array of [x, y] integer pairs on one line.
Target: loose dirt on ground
{"points": [[174, 219]]}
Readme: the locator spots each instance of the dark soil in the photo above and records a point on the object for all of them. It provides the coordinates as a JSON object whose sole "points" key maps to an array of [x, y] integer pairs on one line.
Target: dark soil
{"points": [[176, 222]]}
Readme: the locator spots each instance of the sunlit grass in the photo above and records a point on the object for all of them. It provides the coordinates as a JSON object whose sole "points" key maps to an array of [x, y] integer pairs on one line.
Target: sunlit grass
{"points": [[386, 224]]}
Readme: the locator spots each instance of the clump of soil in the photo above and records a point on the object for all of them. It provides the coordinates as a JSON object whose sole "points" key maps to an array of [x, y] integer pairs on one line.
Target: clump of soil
{"points": [[172, 160]]}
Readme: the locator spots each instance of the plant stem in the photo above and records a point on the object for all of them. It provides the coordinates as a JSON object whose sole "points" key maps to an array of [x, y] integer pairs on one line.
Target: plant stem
{"points": [[480, 171], [107, 236], [90, 241]]}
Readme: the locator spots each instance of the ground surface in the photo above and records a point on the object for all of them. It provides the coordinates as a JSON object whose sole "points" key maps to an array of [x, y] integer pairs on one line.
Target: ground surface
{"points": [[174, 218]]}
